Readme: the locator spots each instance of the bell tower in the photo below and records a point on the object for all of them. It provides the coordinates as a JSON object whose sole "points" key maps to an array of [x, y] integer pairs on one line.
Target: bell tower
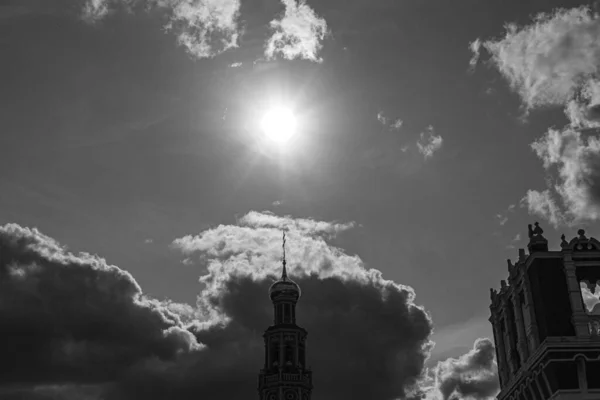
{"points": [[546, 321], [285, 375]]}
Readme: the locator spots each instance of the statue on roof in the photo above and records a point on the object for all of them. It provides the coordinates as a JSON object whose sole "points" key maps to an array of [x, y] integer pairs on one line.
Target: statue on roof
{"points": [[537, 242], [535, 231], [563, 241]]}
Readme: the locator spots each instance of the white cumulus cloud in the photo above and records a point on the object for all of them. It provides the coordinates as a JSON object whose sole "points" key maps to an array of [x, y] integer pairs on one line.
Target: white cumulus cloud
{"points": [[472, 375], [551, 61], [297, 34], [204, 28], [575, 159], [429, 142], [554, 61]]}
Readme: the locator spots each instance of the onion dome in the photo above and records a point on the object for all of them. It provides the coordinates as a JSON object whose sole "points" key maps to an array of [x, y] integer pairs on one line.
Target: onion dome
{"points": [[284, 289]]}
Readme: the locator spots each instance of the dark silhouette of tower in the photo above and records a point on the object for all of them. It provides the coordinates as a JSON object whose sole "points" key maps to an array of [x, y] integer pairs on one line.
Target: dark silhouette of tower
{"points": [[547, 337], [285, 375]]}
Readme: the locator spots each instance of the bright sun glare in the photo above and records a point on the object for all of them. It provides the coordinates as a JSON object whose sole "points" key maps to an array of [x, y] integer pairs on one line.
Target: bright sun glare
{"points": [[279, 124]]}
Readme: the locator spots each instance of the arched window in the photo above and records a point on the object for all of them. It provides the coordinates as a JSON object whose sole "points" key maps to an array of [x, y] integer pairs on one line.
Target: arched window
{"points": [[274, 354], [289, 354]]}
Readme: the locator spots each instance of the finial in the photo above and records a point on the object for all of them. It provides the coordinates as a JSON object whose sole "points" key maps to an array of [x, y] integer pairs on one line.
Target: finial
{"points": [[284, 273], [537, 230], [581, 233]]}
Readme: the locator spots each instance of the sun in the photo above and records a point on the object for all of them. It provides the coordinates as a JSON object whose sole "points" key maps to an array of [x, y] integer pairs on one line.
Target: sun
{"points": [[279, 124]]}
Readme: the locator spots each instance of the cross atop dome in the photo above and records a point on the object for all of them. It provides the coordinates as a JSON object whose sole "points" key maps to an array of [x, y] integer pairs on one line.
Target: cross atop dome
{"points": [[285, 289]]}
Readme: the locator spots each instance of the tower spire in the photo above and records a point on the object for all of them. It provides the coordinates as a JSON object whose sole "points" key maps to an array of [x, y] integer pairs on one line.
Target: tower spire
{"points": [[284, 272], [285, 375]]}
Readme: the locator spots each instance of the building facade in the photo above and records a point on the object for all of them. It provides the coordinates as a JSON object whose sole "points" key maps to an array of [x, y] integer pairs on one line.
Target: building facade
{"points": [[285, 375], [547, 334]]}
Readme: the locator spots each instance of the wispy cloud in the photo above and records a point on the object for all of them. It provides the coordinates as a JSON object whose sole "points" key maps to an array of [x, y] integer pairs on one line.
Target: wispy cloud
{"points": [[502, 217], [297, 34], [429, 142], [390, 123], [204, 28], [543, 204], [554, 62], [517, 238], [475, 47]]}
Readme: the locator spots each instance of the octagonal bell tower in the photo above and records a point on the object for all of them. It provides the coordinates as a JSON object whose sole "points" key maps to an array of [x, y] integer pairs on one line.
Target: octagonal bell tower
{"points": [[285, 375]]}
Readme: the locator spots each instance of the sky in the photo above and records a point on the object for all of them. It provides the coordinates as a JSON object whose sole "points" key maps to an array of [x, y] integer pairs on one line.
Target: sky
{"points": [[142, 206]]}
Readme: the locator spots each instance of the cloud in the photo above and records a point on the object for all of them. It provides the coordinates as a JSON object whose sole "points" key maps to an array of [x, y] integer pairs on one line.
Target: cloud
{"points": [[67, 319], [297, 34], [575, 160], [517, 238], [475, 47], [204, 28], [83, 327], [94, 10], [554, 62], [503, 216], [344, 304], [543, 205], [391, 123], [473, 375], [502, 219], [429, 142], [590, 300]]}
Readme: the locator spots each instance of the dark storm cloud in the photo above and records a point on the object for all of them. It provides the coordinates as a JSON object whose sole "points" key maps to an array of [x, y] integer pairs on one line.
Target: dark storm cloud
{"points": [[73, 318], [553, 61], [73, 326], [361, 326]]}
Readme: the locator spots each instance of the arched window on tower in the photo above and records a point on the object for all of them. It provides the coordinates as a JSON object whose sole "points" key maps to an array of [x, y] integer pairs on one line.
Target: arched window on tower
{"points": [[289, 354], [274, 354]]}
